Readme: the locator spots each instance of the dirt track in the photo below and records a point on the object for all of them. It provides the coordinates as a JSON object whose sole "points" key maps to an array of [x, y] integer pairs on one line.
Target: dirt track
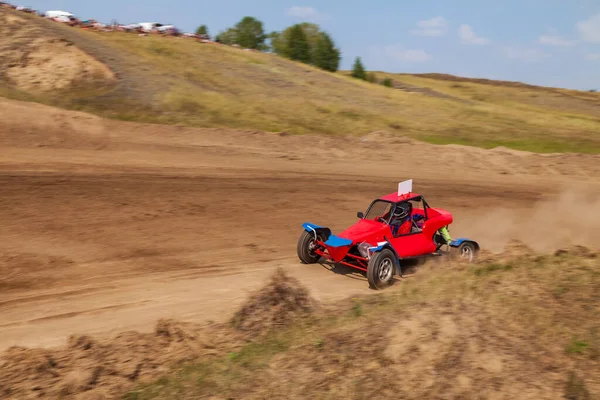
{"points": [[109, 226]]}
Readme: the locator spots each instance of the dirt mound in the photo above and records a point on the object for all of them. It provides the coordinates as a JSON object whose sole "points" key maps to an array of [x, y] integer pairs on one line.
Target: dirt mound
{"points": [[516, 248], [90, 368], [577, 250], [275, 305], [87, 367], [32, 60]]}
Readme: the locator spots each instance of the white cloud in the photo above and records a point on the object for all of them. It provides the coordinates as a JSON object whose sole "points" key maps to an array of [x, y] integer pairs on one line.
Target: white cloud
{"points": [[466, 33], [435, 26], [400, 54], [551, 40], [590, 29], [302, 12], [592, 56], [526, 54]]}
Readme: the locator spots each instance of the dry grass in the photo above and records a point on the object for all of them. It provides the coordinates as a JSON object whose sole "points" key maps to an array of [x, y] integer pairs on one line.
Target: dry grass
{"points": [[178, 81], [519, 326]]}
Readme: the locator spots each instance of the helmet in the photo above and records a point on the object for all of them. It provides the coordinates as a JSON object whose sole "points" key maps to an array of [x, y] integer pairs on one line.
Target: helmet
{"points": [[401, 211]]}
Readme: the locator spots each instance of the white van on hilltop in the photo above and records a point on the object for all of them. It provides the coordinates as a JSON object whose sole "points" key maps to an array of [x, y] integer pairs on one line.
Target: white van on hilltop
{"points": [[154, 26], [61, 16]]}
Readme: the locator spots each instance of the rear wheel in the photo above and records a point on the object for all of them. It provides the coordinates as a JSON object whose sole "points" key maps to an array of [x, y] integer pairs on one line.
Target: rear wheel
{"points": [[380, 271], [466, 251], [306, 247]]}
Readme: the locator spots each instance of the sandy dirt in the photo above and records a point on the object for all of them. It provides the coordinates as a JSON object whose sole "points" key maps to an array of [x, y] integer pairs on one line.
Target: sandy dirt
{"points": [[35, 61], [109, 226]]}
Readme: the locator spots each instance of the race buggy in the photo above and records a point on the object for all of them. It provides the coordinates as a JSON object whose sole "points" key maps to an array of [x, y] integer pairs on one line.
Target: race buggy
{"points": [[395, 228]]}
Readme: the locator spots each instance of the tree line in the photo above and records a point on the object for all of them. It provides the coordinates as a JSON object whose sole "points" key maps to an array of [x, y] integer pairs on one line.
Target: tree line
{"points": [[304, 42]]}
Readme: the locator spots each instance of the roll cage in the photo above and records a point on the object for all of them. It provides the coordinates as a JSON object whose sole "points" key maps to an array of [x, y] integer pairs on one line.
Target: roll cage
{"points": [[419, 200]]}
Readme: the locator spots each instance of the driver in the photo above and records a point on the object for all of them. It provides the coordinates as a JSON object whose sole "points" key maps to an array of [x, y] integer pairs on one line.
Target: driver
{"points": [[401, 223]]}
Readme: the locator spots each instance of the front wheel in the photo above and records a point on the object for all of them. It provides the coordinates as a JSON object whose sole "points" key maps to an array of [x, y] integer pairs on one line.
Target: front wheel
{"points": [[380, 271], [306, 247]]}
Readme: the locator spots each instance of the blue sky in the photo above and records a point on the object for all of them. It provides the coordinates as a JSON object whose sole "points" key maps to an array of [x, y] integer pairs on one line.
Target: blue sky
{"points": [[545, 42]]}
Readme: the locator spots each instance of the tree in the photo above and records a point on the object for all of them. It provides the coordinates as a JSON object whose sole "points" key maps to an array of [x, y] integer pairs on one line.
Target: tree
{"points": [[228, 37], [325, 55], [358, 70], [249, 33], [387, 82], [297, 45], [280, 40], [202, 30], [277, 42], [290, 43]]}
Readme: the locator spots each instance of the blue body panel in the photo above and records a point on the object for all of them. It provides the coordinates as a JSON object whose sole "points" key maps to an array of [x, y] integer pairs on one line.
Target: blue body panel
{"points": [[336, 241], [387, 245], [379, 248], [459, 241], [310, 227]]}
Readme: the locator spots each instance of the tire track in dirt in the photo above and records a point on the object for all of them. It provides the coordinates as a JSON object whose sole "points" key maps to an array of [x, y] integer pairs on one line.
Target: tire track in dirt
{"points": [[151, 217]]}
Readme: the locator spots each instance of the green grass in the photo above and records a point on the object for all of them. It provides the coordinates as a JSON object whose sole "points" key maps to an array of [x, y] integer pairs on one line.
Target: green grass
{"points": [[501, 310], [178, 81]]}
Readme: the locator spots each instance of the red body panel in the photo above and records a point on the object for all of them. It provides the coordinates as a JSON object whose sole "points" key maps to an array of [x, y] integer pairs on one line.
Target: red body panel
{"points": [[366, 230], [337, 253], [418, 244], [375, 232], [408, 245]]}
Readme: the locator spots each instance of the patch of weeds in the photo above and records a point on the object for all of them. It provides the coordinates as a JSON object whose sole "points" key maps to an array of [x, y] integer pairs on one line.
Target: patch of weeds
{"points": [[257, 354], [357, 310], [154, 390], [541, 260], [319, 344], [350, 114], [559, 292], [575, 388], [577, 346], [491, 268], [188, 106], [160, 50], [255, 61]]}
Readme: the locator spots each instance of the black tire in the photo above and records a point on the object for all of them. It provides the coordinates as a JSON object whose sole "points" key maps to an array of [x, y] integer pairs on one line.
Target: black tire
{"points": [[467, 251], [380, 271], [303, 248]]}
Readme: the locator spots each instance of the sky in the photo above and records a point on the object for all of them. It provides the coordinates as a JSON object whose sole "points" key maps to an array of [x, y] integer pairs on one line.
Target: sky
{"points": [[542, 42]]}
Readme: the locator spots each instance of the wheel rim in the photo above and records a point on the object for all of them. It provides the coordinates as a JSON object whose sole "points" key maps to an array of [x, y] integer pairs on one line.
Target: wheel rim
{"points": [[467, 253], [312, 245], [385, 270]]}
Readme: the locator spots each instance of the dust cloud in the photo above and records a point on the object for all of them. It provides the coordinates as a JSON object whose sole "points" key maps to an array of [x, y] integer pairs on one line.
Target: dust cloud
{"points": [[571, 217]]}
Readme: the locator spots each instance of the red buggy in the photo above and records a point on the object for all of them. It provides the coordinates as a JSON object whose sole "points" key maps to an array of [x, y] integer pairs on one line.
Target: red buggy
{"points": [[396, 227]]}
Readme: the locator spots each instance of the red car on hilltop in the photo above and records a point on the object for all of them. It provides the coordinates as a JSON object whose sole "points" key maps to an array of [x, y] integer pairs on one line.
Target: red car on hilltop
{"points": [[396, 227]]}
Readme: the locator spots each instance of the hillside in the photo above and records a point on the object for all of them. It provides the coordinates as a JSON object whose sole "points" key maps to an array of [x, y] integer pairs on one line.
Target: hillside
{"points": [[179, 81], [515, 325]]}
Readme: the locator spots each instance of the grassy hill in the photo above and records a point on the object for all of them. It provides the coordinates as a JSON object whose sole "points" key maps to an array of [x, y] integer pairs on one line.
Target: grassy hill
{"points": [[520, 326], [179, 81]]}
